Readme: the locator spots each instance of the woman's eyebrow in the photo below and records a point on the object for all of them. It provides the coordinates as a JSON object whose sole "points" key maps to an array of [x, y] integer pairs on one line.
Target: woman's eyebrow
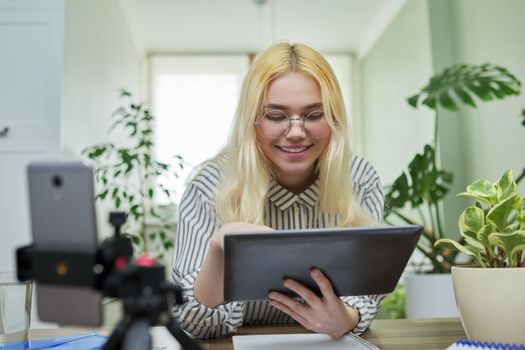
{"points": [[283, 107]]}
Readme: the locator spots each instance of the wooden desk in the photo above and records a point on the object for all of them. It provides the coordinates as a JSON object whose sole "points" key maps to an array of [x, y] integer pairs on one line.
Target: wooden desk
{"points": [[424, 334]]}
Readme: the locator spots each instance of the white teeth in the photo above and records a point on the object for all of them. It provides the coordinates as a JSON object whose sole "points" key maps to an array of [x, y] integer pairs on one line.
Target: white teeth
{"points": [[294, 150]]}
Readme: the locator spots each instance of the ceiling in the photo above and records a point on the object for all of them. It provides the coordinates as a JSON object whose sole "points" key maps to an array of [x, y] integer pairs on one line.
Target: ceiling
{"points": [[165, 26]]}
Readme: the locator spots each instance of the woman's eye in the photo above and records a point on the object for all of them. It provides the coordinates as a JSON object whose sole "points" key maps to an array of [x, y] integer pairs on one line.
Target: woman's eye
{"points": [[276, 117], [315, 115]]}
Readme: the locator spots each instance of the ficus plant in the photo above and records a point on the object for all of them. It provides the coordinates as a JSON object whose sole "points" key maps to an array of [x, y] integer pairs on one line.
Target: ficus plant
{"points": [[493, 229], [130, 178], [424, 184]]}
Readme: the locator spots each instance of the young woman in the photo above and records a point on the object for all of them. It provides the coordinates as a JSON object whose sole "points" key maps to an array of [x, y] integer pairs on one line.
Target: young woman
{"points": [[287, 165]]}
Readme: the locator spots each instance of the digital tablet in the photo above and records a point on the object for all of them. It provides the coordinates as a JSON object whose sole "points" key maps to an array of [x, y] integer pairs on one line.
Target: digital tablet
{"points": [[358, 261]]}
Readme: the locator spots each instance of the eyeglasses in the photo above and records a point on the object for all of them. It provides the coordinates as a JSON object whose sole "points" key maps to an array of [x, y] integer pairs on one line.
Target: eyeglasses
{"points": [[276, 123]]}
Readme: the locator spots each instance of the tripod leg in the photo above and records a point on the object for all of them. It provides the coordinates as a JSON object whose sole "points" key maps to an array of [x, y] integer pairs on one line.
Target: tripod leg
{"points": [[178, 333], [115, 339], [137, 336]]}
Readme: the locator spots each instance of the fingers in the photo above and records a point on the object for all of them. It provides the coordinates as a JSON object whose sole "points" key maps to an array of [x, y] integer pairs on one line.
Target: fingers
{"points": [[291, 307], [305, 293], [324, 283]]}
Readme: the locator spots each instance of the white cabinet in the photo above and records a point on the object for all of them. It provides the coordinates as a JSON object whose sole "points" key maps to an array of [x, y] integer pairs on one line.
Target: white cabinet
{"points": [[31, 69]]}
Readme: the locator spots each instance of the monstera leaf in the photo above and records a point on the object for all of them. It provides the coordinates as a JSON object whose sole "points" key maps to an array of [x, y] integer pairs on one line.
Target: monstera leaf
{"points": [[423, 182], [462, 84]]}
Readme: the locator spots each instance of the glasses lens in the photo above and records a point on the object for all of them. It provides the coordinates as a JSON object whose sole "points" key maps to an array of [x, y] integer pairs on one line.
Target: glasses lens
{"points": [[316, 125], [275, 123]]}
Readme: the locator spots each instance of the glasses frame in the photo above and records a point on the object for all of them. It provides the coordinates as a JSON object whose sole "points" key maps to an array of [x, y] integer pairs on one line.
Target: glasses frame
{"points": [[291, 118]]}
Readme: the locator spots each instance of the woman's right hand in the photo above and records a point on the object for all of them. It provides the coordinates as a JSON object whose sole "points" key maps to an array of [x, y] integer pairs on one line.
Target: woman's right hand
{"points": [[208, 287], [217, 239]]}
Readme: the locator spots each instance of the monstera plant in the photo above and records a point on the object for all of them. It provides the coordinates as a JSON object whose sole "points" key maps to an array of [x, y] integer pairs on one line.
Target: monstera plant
{"points": [[424, 184]]}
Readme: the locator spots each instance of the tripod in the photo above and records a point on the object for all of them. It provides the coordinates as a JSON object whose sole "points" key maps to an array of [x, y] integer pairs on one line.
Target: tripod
{"points": [[147, 300], [147, 297]]}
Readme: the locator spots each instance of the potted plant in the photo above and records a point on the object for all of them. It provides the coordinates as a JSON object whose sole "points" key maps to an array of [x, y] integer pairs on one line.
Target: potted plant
{"points": [[131, 179], [424, 185], [491, 295]]}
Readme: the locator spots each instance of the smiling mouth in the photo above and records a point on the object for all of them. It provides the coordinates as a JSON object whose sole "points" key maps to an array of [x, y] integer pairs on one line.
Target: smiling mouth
{"points": [[294, 150]]}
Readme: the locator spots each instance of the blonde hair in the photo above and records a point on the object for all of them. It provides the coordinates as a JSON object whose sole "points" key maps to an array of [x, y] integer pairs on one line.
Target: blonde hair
{"points": [[246, 174]]}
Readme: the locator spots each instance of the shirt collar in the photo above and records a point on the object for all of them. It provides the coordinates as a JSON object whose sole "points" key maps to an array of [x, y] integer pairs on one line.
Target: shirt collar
{"points": [[283, 198]]}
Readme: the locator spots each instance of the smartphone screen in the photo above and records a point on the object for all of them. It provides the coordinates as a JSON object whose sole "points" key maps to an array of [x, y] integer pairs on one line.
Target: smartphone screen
{"points": [[62, 206]]}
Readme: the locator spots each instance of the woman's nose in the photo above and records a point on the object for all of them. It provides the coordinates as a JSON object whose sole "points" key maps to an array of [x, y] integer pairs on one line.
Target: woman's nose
{"points": [[296, 128]]}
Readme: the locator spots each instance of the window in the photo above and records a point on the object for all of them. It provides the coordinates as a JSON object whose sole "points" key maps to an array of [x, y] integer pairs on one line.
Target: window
{"points": [[194, 100]]}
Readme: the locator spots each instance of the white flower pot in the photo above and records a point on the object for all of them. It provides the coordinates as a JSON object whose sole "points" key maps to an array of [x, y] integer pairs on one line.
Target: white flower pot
{"points": [[491, 303], [429, 295]]}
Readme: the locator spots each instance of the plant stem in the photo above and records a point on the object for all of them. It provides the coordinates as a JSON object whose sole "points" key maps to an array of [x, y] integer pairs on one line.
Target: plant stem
{"points": [[439, 232], [426, 232], [522, 175], [432, 221], [421, 216], [435, 141], [438, 266]]}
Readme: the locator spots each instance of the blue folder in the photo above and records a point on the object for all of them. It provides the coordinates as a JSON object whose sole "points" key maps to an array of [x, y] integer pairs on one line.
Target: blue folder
{"points": [[84, 341]]}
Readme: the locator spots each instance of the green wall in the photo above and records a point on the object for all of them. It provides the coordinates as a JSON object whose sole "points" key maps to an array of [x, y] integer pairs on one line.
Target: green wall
{"points": [[493, 31], [425, 37]]}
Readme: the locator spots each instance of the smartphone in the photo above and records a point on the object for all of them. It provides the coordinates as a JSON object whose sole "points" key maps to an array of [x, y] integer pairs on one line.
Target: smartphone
{"points": [[62, 206]]}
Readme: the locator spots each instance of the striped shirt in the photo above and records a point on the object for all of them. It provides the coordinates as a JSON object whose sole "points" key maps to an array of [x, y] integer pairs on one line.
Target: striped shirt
{"points": [[283, 210]]}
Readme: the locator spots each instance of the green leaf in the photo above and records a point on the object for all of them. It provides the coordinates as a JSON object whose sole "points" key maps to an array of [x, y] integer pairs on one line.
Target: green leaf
{"points": [[413, 100], [475, 244], [150, 193], [464, 96], [451, 244], [505, 186], [124, 93], [447, 102], [96, 152], [430, 102], [117, 202], [487, 82], [471, 222], [102, 195], [135, 239], [499, 214], [482, 190], [484, 233], [511, 243], [423, 184]]}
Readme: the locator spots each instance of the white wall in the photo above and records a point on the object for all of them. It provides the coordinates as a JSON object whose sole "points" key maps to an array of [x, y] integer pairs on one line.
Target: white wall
{"points": [[100, 58], [396, 67]]}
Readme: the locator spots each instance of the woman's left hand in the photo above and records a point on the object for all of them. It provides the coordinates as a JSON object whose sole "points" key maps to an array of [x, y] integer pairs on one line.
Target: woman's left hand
{"points": [[326, 314]]}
